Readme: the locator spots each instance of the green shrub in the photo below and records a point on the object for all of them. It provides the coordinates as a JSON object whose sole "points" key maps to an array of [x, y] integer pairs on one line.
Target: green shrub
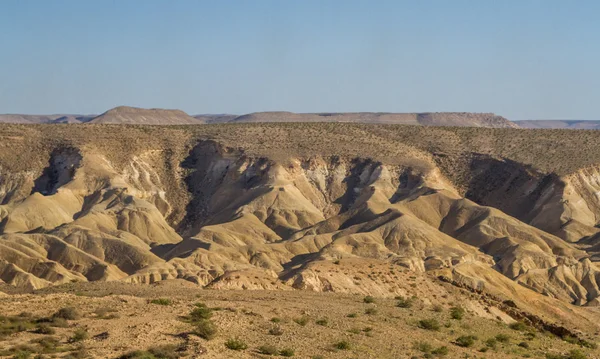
{"points": [[205, 328], [437, 308], [200, 313], [520, 326], [491, 343], [457, 313], [303, 320], [342, 345], [502, 338], [287, 352], [103, 313], [371, 311], [161, 301], [352, 315], [58, 322], [158, 352], [369, 299], [429, 324], [168, 351], [22, 354], [68, 313], [524, 345], [575, 354], [404, 303], [79, 335], [268, 350], [441, 351], [323, 322], [45, 328], [423, 347], [236, 344], [465, 341], [48, 344], [276, 320]]}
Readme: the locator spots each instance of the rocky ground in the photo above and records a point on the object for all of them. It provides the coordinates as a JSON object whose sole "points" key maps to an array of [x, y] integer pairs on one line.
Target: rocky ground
{"points": [[116, 319]]}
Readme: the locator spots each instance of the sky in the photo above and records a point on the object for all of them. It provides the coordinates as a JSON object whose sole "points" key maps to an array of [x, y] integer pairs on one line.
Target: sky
{"points": [[522, 59]]}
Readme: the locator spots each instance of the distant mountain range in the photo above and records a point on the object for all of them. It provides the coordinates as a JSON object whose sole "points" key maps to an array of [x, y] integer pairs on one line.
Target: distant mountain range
{"points": [[568, 124], [132, 115]]}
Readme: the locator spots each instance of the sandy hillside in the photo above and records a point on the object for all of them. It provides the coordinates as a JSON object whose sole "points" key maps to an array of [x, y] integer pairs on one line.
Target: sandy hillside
{"points": [[312, 207]]}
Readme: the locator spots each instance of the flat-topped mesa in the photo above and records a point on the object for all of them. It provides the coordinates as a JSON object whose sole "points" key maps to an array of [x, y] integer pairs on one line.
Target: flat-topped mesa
{"points": [[460, 119], [140, 116]]}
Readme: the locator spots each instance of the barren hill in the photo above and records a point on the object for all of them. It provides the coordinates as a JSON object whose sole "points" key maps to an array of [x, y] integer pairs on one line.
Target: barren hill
{"points": [[507, 213], [566, 124], [141, 116]]}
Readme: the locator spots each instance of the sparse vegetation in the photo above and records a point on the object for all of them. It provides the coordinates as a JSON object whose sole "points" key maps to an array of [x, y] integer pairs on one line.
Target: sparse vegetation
{"points": [[423, 347], [158, 352], [268, 350], [205, 328], [465, 341], [236, 344], [457, 313], [369, 299], [161, 301], [79, 335], [68, 313], [404, 302], [287, 352], [302, 321], [342, 345], [371, 311], [429, 324], [441, 351], [322, 322], [502, 338], [520, 326]]}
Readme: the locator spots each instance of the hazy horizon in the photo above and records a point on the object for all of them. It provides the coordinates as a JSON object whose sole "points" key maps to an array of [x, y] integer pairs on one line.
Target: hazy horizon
{"points": [[523, 60]]}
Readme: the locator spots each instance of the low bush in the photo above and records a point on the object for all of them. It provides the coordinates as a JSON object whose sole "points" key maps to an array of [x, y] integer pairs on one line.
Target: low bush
{"points": [[342, 345], [79, 335], [287, 352], [67, 313], [303, 320], [465, 341], [369, 299], [268, 350], [236, 344], [322, 322], [457, 313], [404, 303], [161, 301], [205, 328], [429, 324]]}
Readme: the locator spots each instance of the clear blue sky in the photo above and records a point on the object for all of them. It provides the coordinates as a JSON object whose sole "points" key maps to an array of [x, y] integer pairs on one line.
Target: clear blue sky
{"points": [[523, 59]]}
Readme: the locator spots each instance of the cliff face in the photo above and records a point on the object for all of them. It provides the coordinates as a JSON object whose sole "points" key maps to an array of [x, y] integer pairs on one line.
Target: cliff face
{"points": [[274, 206]]}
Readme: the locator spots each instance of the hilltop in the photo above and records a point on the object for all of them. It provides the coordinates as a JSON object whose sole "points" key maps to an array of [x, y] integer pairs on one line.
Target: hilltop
{"points": [[140, 116]]}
